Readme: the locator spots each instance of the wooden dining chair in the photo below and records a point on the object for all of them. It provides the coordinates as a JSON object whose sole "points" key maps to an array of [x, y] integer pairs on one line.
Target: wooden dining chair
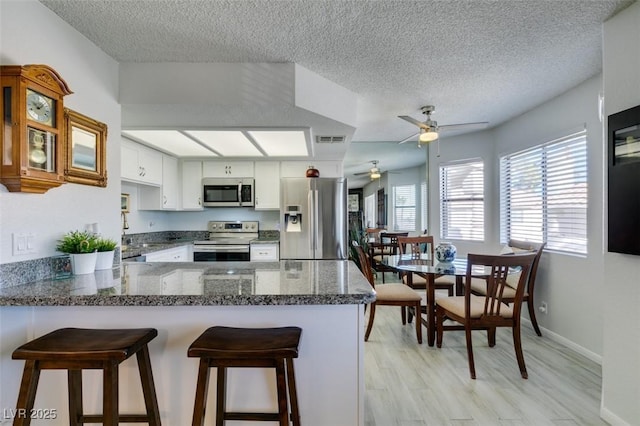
{"points": [[489, 311], [417, 246], [390, 295], [479, 286], [387, 246]]}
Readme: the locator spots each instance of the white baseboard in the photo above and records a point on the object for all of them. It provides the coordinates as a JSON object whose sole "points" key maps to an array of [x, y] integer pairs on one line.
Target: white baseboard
{"points": [[611, 418], [568, 343]]}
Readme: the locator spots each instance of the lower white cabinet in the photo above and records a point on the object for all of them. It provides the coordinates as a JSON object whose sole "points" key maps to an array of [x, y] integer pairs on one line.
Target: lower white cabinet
{"points": [[175, 254], [265, 252], [268, 282]]}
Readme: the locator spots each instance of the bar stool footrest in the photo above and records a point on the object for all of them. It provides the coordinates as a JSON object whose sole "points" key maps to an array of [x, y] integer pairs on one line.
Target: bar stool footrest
{"points": [[124, 418], [265, 417]]}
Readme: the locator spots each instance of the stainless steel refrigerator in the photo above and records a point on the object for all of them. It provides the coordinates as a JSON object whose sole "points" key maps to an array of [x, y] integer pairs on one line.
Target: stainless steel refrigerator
{"points": [[313, 214]]}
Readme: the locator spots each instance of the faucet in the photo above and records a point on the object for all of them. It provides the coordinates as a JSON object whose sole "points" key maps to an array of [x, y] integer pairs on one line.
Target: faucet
{"points": [[125, 224]]}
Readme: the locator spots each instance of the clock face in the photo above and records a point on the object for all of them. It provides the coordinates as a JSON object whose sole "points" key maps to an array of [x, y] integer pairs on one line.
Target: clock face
{"points": [[40, 108]]}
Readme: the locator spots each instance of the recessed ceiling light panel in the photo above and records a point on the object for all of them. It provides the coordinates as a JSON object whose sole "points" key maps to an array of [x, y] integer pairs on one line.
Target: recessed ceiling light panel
{"points": [[281, 143], [170, 141], [229, 143]]}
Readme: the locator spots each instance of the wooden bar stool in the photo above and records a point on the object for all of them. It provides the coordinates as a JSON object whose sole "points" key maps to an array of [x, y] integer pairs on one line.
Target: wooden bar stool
{"points": [[224, 347], [77, 349]]}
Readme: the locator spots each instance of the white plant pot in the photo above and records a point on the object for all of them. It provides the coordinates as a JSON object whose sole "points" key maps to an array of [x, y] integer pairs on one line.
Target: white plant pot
{"points": [[83, 263], [105, 260]]}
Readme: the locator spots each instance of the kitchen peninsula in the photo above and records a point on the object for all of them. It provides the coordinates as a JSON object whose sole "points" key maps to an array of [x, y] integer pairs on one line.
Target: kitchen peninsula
{"points": [[325, 298]]}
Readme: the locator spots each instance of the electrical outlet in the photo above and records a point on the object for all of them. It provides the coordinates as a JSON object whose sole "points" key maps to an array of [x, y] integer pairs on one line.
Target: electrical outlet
{"points": [[544, 308]]}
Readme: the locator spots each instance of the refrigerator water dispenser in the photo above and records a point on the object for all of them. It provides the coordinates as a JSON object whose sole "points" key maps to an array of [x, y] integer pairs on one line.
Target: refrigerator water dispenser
{"points": [[292, 219]]}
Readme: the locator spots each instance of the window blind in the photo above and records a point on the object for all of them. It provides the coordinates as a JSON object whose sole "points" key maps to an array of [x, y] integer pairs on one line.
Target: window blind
{"points": [[462, 201], [424, 206], [543, 194], [404, 207]]}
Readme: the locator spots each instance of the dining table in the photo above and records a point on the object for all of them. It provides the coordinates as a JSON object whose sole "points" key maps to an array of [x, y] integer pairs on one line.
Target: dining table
{"points": [[429, 268]]}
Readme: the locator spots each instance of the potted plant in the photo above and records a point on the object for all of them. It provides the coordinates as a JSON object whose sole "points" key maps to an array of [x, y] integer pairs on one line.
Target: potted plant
{"points": [[106, 248], [81, 247]]}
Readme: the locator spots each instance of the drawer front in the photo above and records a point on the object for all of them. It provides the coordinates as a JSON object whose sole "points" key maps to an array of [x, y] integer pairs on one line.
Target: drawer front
{"points": [[264, 253]]}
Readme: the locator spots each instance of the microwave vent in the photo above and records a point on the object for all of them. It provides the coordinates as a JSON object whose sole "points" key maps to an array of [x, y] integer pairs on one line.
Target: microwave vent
{"points": [[330, 139]]}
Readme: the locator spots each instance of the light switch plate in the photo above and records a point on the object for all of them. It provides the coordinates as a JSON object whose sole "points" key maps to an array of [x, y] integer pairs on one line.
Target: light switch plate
{"points": [[23, 243]]}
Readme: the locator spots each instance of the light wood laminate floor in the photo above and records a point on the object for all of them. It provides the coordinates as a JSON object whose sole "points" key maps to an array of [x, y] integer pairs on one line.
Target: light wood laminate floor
{"points": [[408, 384]]}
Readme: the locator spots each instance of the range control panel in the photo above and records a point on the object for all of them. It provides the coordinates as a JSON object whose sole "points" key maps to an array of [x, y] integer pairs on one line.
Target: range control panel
{"points": [[249, 226]]}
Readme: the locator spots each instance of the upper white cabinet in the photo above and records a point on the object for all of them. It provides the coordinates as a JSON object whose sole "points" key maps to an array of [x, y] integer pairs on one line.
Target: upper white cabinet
{"points": [[140, 164], [267, 185], [192, 185], [169, 182], [164, 197], [222, 169], [330, 169]]}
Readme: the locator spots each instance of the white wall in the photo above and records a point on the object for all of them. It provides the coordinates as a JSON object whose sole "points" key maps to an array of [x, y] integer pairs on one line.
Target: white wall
{"points": [[571, 285], [93, 77], [32, 34], [621, 298]]}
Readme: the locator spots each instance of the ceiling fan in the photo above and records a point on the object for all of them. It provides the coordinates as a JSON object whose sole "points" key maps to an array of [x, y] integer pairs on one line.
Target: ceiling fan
{"points": [[374, 172], [430, 130]]}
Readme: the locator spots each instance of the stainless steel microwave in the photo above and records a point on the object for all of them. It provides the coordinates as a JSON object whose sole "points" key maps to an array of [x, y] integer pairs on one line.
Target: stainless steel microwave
{"points": [[227, 192]]}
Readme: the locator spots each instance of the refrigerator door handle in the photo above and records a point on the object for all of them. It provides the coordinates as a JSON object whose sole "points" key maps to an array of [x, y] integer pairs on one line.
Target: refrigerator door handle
{"points": [[316, 224], [312, 221]]}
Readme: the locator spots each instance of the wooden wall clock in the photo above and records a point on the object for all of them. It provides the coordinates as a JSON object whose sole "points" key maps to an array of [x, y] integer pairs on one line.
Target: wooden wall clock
{"points": [[33, 138]]}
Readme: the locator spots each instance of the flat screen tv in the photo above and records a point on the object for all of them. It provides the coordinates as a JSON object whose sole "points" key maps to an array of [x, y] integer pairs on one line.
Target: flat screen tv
{"points": [[624, 181]]}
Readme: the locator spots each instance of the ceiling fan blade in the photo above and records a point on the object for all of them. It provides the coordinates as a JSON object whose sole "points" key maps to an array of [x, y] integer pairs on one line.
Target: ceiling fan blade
{"points": [[410, 138], [362, 173], [414, 121], [463, 126]]}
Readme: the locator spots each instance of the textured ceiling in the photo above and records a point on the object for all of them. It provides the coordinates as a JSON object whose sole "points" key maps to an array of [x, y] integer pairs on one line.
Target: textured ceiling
{"points": [[475, 60]]}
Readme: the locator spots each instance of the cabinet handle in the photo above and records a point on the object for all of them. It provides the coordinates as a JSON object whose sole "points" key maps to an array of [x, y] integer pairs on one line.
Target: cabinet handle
{"points": [[164, 199], [199, 201]]}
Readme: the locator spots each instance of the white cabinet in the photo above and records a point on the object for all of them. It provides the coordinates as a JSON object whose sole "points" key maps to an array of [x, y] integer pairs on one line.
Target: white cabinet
{"points": [[267, 185], [268, 282], [222, 169], [192, 185], [331, 169], [169, 182], [265, 252], [164, 197], [175, 254], [140, 164]]}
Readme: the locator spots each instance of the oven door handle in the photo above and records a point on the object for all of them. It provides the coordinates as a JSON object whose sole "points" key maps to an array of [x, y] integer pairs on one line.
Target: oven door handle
{"points": [[221, 249]]}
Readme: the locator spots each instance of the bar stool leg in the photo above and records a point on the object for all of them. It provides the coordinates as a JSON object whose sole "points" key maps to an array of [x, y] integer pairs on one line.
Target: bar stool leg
{"points": [[148, 386], [283, 409], [293, 393], [27, 395], [221, 395], [201, 393], [110, 394], [74, 380]]}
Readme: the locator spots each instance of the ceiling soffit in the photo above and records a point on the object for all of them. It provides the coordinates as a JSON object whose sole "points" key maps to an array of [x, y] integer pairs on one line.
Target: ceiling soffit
{"points": [[219, 96]]}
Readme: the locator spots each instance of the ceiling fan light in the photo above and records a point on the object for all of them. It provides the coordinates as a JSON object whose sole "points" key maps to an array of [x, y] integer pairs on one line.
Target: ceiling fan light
{"points": [[428, 136], [375, 175]]}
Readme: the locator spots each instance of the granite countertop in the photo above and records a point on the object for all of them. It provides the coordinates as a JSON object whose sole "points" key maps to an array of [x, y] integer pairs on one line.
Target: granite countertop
{"points": [[133, 250], [287, 282], [266, 240]]}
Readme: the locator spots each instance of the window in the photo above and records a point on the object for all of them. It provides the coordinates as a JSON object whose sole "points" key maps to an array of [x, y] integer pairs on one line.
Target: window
{"points": [[404, 207], [543, 194], [462, 201], [370, 211]]}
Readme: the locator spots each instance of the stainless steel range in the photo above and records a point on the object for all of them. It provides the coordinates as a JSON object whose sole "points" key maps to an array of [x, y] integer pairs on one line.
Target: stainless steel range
{"points": [[228, 241]]}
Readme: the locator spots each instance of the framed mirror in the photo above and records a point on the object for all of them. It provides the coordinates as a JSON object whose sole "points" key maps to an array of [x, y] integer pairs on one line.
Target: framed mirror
{"points": [[86, 149]]}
